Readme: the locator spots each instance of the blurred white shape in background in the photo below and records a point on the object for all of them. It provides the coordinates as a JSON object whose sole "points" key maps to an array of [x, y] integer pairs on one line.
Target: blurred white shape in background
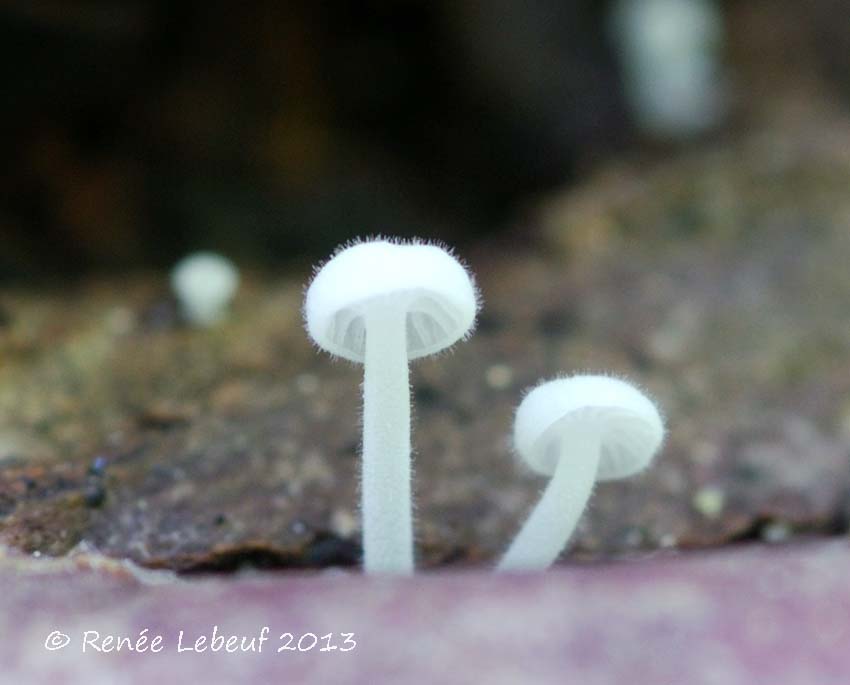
{"points": [[204, 284], [670, 51]]}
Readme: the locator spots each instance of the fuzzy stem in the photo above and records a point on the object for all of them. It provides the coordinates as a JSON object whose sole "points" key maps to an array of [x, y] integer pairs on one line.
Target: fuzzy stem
{"points": [[387, 516], [552, 522]]}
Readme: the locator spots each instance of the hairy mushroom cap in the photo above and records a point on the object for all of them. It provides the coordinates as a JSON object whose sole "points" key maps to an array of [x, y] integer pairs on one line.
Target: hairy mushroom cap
{"points": [[427, 283], [628, 425]]}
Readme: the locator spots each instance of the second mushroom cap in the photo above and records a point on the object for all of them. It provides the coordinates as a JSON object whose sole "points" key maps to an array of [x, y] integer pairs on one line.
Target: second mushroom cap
{"points": [[627, 421]]}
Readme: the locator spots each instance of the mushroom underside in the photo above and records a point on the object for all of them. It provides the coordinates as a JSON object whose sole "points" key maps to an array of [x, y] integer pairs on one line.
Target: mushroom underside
{"points": [[627, 445], [431, 325]]}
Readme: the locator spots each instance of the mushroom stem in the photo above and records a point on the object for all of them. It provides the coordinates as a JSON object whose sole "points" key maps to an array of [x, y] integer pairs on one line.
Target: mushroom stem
{"points": [[553, 520], [387, 518]]}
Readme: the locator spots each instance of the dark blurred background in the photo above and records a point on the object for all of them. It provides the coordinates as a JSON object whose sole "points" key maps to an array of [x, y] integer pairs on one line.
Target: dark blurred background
{"points": [[134, 131]]}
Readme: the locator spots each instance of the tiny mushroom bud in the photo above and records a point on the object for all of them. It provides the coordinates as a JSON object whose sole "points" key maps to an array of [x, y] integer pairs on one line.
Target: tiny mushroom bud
{"points": [[204, 284], [383, 303], [577, 430]]}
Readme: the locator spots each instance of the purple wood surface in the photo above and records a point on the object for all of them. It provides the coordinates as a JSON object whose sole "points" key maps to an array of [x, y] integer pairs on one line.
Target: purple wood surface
{"points": [[741, 616]]}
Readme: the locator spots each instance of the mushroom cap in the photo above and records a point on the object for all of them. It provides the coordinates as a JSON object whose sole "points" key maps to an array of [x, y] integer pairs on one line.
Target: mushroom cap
{"points": [[558, 412], [204, 282], [425, 281]]}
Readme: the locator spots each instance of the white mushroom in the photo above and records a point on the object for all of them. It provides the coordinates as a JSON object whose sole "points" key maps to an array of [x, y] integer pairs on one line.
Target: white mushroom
{"points": [[204, 284], [577, 430], [383, 303], [670, 52]]}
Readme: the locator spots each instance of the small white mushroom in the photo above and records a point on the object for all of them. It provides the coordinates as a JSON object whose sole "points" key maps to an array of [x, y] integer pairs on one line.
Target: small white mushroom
{"points": [[577, 430], [204, 284], [670, 52], [381, 304]]}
